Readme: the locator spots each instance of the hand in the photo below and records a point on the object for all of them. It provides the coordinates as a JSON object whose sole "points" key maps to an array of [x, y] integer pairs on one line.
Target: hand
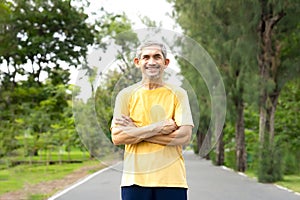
{"points": [[124, 121], [168, 126]]}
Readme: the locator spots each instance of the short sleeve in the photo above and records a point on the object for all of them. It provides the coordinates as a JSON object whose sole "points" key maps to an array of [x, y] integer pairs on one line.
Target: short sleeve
{"points": [[121, 106], [183, 115]]}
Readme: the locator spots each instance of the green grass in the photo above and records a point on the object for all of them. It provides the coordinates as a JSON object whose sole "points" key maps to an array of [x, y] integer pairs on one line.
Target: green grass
{"points": [[291, 182], [17, 177], [43, 158], [251, 174], [37, 197]]}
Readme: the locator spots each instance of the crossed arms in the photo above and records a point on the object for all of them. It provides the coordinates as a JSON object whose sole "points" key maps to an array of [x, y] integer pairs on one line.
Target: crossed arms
{"points": [[164, 132]]}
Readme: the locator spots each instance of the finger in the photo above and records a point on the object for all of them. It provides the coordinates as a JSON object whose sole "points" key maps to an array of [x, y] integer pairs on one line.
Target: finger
{"points": [[170, 122], [126, 118], [120, 122]]}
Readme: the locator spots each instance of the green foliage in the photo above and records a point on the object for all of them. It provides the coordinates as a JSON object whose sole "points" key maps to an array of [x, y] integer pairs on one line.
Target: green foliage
{"points": [[251, 139], [37, 197], [16, 178], [291, 182], [228, 31], [113, 82], [198, 85], [39, 25], [287, 126], [231, 43], [270, 164], [291, 163], [229, 148], [195, 146], [87, 127], [40, 42], [38, 37], [95, 132]]}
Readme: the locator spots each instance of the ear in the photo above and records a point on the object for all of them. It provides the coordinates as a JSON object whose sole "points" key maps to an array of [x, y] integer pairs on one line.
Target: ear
{"points": [[136, 62], [167, 61]]}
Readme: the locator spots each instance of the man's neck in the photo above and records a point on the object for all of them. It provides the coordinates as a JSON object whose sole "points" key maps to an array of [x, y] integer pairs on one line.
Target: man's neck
{"points": [[152, 84]]}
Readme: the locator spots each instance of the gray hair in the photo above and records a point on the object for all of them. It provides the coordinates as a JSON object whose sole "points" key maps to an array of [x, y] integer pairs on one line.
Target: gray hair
{"points": [[151, 43]]}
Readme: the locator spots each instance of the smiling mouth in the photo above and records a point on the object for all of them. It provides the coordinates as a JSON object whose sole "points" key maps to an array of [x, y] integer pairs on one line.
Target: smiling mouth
{"points": [[152, 67]]}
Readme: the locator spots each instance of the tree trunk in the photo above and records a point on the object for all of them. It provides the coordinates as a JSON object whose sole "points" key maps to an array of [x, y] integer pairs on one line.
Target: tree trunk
{"points": [[263, 118], [241, 155], [267, 62], [204, 144], [220, 151], [200, 139], [274, 100]]}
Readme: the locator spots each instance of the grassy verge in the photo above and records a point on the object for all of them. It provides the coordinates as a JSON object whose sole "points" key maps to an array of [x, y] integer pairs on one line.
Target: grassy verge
{"points": [[291, 182], [44, 171], [44, 158], [18, 177]]}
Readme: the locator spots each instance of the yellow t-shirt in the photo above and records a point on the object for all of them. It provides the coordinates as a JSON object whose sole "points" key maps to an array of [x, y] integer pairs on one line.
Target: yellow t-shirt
{"points": [[148, 164]]}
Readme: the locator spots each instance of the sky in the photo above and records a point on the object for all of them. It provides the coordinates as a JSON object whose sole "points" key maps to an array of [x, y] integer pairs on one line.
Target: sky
{"points": [[158, 10]]}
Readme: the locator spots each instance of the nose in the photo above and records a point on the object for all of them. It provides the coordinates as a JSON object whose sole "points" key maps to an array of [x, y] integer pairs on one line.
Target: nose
{"points": [[151, 61]]}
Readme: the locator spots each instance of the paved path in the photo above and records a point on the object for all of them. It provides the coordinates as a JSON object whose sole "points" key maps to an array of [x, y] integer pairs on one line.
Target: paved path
{"points": [[205, 181]]}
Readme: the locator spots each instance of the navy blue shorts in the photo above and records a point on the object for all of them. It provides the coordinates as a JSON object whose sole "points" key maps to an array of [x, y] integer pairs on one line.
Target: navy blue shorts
{"points": [[136, 192]]}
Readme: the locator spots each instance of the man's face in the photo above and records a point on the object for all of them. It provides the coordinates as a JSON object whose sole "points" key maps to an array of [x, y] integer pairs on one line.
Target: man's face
{"points": [[152, 62]]}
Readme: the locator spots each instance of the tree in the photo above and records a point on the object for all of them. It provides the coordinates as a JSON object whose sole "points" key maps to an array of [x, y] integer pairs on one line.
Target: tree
{"points": [[228, 39], [287, 126], [43, 34], [37, 37], [40, 42], [277, 63], [203, 97], [94, 113], [241, 35]]}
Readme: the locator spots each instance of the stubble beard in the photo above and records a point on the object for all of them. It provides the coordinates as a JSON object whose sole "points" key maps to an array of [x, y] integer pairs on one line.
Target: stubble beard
{"points": [[155, 77]]}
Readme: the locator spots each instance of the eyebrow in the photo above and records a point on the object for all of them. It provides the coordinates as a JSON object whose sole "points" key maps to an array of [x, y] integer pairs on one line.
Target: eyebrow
{"points": [[155, 55]]}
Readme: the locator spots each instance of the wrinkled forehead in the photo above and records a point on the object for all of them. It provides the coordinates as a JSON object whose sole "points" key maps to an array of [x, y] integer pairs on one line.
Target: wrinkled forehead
{"points": [[152, 48], [158, 47]]}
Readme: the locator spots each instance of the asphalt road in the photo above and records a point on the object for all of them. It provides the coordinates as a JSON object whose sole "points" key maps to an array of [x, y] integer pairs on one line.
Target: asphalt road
{"points": [[206, 182]]}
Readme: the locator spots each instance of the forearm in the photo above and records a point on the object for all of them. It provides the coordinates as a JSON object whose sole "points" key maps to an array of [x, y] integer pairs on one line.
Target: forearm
{"points": [[133, 135], [180, 136]]}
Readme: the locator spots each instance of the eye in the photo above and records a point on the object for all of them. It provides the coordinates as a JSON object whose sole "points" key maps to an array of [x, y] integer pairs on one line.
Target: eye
{"points": [[145, 57], [157, 56]]}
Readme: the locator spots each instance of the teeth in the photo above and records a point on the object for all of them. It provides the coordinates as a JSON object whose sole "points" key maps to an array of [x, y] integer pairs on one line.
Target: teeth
{"points": [[152, 67]]}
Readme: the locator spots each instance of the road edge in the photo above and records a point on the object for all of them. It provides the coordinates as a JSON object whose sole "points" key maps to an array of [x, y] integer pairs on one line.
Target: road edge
{"points": [[245, 175], [78, 183]]}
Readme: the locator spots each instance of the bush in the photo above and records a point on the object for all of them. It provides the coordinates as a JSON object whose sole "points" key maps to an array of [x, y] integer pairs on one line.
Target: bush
{"points": [[230, 158], [195, 146], [270, 165], [290, 165]]}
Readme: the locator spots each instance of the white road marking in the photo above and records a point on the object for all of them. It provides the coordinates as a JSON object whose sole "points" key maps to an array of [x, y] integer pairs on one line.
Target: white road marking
{"points": [[81, 182]]}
